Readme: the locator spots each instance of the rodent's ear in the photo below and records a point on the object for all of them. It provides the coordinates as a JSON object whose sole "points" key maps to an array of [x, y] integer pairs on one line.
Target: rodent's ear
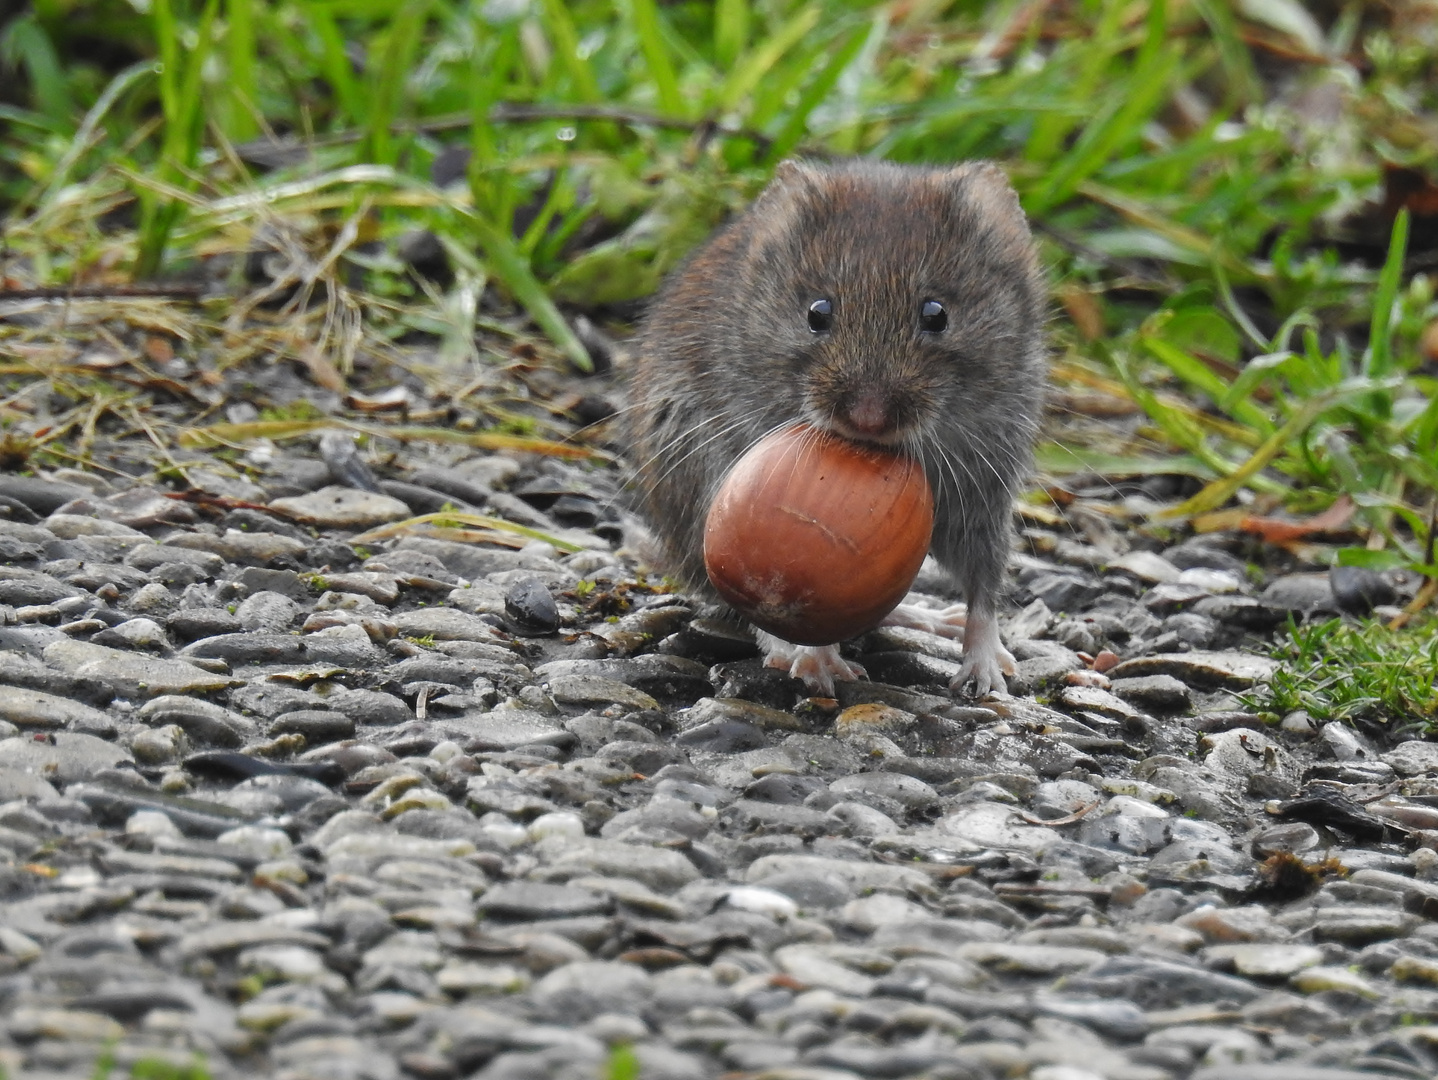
{"points": [[791, 172], [983, 185], [772, 212]]}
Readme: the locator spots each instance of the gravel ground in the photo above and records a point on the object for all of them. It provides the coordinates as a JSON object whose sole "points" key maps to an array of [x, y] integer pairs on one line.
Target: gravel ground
{"points": [[417, 807]]}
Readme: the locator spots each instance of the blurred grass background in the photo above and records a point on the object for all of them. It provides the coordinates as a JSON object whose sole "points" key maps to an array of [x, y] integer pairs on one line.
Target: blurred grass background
{"points": [[1236, 198]]}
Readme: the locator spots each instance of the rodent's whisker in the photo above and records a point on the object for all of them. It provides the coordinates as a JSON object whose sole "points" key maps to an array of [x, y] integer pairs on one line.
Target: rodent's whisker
{"points": [[674, 443]]}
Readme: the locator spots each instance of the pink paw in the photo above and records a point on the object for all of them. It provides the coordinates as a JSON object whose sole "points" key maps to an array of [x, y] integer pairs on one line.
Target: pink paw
{"points": [[819, 666], [946, 622], [986, 661]]}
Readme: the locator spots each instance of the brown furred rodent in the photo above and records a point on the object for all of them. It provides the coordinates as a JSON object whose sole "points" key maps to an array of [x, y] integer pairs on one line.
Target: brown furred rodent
{"points": [[900, 305]]}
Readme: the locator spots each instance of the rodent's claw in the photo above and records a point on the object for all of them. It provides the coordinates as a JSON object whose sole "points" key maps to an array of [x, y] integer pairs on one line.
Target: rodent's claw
{"points": [[986, 661], [985, 674], [946, 622], [818, 666]]}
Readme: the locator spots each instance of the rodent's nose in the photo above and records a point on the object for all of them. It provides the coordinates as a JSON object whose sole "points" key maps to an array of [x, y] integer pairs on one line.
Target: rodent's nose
{"points": [[869, 414]]}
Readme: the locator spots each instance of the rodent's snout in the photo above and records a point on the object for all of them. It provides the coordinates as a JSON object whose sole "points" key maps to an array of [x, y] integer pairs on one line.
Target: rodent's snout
{"points": [[869, 414]]}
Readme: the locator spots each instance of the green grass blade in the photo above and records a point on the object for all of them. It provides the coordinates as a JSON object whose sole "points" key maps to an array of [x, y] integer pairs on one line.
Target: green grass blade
{"points": [[623, 1063], [557, 21], [112, 93], [1235, 310], [1050, 128], [731, 31], [645, 15], [1132, 104], [797, 123], [1202, 378], [1179, 429], [509, 266], [1379, 359], [335, 63], [744, 78], [25, 43], [183, 106], [167, 39], [386, 87], [239, 122], [1242, 84], [1220, 491], [1254, 374], [1059, 460]]}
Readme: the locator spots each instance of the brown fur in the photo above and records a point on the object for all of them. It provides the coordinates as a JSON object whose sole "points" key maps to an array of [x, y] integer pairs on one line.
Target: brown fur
{"points": [[726, 353]]}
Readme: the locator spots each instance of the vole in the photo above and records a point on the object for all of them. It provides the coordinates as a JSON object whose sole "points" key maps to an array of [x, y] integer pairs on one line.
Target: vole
{"points": [[890, 304]]}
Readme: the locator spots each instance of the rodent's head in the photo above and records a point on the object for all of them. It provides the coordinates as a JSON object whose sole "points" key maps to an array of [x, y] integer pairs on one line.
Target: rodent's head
{"points": [[903, 299]]}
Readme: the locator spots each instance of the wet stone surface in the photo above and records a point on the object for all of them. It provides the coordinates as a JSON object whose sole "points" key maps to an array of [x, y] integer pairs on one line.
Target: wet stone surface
{"points": [[309, 807]]}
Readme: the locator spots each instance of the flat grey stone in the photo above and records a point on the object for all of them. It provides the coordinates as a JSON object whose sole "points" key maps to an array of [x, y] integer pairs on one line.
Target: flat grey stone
{"points": [[243, 548], [343, 646], [42, 494], [255, 579], [505, 729], [153, 556], [809, 966], [21, 669], [381, 588], [131, 675], [341, 508], [69, 526], [708, 710], [1146, 566], [660, 869], [39, 710], [19, 783], [268, 610], [859, 876], [610, 986], [369, 706], [144, 862], [248, 648], [138, 633], [530, 900], [1206, 670], [1416, 757], [270, 699], [670, 678], [1097, 700], [585, 690], [231, 936], [1119, 1019], [1157, 693], [1285, 1071], [316, 725], [27, 588], [908, 792], [69, 758], [444, 624], [1264, 960], [1158, 984], [1308, 592], [206, 723]]}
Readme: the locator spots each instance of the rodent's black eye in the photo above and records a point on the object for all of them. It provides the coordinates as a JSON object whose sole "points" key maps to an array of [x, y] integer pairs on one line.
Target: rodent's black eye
{"points": [[933, 319], [821, 316]]}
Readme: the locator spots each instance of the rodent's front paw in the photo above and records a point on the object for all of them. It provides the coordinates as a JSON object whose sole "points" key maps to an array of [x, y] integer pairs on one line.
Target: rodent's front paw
{"points": [[819, 666]]}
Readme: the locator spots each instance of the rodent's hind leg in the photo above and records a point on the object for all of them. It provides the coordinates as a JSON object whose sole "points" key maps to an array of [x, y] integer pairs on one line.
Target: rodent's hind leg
{"points": [[946, 622], [818, 665], [986, 661]]}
